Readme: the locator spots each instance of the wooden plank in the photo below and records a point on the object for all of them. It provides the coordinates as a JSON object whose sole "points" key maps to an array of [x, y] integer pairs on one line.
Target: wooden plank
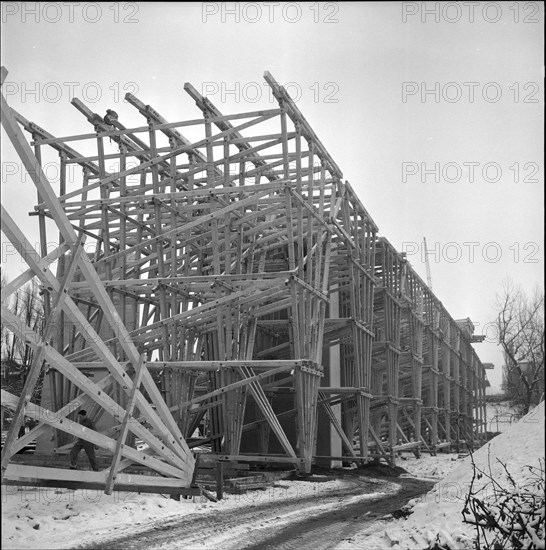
{"points": [[273, 459], [235, 385], [134, 487], [264, 405], [28, 275], [220, 480], [141, 129], [162, 158], [39, 355], [185, 227], [20, 472], [13, 232], [87, 385], [337, 426], [112, 474], [79, 401], [40, 180], [73, 428]]}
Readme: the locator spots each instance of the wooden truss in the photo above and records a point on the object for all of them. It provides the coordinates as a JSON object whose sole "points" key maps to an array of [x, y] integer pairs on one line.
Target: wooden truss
{"points": [[225, 290], [428, 384]]}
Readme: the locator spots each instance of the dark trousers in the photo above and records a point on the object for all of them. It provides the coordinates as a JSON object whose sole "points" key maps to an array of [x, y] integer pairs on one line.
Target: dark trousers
{"points": [[89, 449]]}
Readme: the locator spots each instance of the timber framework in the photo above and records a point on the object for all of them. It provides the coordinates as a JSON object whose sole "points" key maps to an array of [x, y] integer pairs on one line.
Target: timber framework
{"points": [[226, 292]]}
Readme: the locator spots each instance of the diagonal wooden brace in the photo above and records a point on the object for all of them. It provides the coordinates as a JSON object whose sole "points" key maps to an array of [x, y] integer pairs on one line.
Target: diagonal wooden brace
{"points": [[125, 426], [335, 423], [39, 356]]}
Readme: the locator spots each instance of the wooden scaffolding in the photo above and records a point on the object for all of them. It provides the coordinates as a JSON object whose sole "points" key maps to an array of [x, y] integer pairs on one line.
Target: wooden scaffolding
{"points": [[224, 290]]}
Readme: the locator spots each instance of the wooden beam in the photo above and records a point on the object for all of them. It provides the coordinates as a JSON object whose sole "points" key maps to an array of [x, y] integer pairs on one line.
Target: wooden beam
{"points": [[20, 472], [48, 417], [234, 386], [33, 259], [39, 354], [112, 474]]}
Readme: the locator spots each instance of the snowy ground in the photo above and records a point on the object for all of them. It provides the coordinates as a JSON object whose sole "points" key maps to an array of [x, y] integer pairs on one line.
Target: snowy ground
{"points": [[429, 467], [38, 518], [59, 518], [437, 515], [500, 416]]}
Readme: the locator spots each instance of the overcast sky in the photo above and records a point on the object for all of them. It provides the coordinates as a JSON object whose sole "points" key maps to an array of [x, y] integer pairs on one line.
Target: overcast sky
{"points": [[433, 111]]}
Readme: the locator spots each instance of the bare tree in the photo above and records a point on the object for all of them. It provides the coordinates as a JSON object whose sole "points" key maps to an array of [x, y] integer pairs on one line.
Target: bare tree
{"points": [[520, 325], [9, 342], [3, 329], [16, 355]]}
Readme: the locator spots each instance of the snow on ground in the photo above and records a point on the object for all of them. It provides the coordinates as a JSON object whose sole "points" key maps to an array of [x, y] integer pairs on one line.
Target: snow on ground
{"points": [[44, 518], [59, 518], [40, 518], [225, 539], [434, 467], [438, 513], [500, 416]]}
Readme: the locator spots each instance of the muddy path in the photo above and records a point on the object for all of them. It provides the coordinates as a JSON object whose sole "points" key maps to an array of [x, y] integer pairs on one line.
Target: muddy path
{"points": [[262, 520], [337, 526]]}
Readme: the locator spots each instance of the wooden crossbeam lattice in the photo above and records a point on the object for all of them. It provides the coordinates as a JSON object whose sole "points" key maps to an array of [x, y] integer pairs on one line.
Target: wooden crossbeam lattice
{"points": [[213, 271]]}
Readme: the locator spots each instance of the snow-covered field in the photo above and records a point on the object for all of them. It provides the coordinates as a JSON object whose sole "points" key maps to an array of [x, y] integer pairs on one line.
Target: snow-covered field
{"points": [[500, 416], [429, 467], [437, 516], [39, 518], [59, 518]]}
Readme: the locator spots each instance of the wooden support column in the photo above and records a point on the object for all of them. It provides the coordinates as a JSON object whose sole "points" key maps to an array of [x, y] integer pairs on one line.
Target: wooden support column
{"points": [[110, 480]]}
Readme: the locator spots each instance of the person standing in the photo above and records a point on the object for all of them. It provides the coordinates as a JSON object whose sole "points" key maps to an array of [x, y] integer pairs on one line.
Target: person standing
{"points": [[88, 447]]}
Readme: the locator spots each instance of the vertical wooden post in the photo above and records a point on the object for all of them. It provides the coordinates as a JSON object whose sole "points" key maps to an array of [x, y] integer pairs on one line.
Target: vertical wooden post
{"points": [[220, 480], [139, 372]]}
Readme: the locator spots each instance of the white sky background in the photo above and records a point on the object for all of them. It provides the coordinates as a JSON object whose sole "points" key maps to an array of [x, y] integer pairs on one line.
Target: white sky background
{"points": [[347, 65]]}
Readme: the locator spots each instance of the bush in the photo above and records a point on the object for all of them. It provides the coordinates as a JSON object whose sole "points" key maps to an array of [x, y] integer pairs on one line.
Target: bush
{"points": [[512, 517]]}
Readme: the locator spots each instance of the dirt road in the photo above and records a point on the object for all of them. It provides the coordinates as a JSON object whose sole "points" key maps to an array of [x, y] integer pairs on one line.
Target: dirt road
{"points": [[322, 520]]}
